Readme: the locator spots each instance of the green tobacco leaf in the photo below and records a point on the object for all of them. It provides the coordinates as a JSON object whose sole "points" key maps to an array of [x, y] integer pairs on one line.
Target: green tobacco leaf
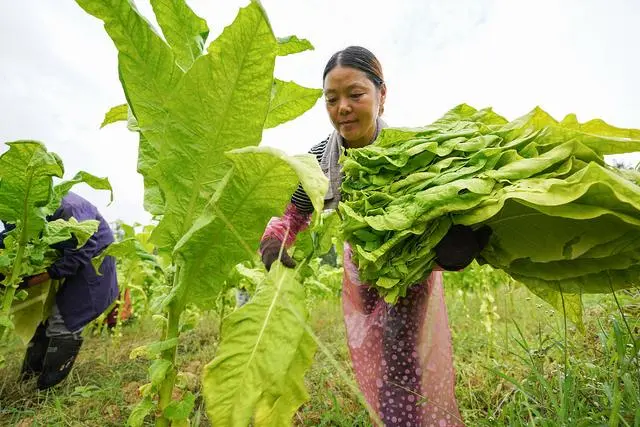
{"points": [[279, 404], [152, 351], [256, 362], [154, 201], [181, 409], [572, 304], [140, 411], [29, 313], [329, 229], [541, 185], [288, 101], [317, 240], [148, 71], [26, 174], [128, 230], [149, 74], [615, 141], [81, 177], [143, 237], [589, 283], [219, 105], [61, 230], [116, 114], [230, 227], [523, 231], [158, 371], [185, 31], [304, 247], [247, 278], [125, 249], [292, 44]]}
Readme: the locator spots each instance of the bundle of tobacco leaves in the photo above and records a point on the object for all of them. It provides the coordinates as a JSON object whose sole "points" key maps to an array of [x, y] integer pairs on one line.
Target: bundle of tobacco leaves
{"points": [[562, 219]]}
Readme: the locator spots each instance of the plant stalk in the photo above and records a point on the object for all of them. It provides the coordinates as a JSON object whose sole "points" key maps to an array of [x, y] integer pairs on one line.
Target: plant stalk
{"points": [[172, 331], [10, 289]]}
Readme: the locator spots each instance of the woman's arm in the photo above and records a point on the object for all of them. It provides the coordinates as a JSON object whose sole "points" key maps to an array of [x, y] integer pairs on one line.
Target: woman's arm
{"points": [[282, 231]]}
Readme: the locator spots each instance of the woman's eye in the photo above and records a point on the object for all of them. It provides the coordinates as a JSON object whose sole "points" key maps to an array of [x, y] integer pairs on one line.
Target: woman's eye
{"points": [[330, 100], [356, 95]]}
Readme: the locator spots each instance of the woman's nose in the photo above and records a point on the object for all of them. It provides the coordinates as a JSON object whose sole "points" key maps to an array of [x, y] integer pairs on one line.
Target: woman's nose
{"points": [[344, 107]]}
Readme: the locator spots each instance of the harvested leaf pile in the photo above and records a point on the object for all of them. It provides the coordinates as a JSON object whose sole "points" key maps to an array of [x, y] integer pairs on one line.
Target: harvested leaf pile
{"points": [[562, 219]]}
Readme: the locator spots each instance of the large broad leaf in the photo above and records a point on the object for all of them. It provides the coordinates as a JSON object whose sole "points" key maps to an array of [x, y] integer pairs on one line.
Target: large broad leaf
{"points": [[81, 177], [129, 250], [256, 189], [618, 140], [28, 196], [281, 401], [262, 358], [126, 248], [148, 72], [219, 105], [61, 230], [289, 100], [524, 231], [26, 184], [600, 282], [185, 31]]}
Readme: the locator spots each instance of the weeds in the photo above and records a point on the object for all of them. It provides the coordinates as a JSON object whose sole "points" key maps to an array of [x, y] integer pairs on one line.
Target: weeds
{"points": [[534, 375]]}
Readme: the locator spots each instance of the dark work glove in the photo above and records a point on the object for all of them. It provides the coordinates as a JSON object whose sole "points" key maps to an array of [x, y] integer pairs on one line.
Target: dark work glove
{"points": [[31, 281], [24, 284], [270, 250], [460, 246]]}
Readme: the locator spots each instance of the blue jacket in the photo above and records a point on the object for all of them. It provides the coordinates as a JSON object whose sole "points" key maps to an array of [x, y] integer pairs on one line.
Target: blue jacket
{"points": [[83, 295]]}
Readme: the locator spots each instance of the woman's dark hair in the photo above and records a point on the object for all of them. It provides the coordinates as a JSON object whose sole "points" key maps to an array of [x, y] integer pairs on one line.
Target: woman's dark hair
{"points": [[360, 58]]}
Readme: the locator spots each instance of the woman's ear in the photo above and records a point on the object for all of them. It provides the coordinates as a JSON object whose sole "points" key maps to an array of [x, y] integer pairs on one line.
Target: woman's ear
{"points": [[383, 97]]}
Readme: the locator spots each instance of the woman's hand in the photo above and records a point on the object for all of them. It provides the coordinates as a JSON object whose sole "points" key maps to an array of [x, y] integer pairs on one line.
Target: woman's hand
{"points": [[270, 250], [460, 246], [30, 281]]}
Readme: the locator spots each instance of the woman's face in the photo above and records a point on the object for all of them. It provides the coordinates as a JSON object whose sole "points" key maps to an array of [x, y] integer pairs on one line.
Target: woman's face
{"points": [[353, 103]]}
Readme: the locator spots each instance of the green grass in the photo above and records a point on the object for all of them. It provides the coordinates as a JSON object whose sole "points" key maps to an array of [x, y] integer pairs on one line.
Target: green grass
{"points": [[516, 374], [333, 401], [99, 391], [509, 358], [103, 385]]}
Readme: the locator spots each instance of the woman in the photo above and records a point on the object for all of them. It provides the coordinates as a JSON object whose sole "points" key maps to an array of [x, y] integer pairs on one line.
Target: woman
{"points": [[82, 296], [401, 354]]}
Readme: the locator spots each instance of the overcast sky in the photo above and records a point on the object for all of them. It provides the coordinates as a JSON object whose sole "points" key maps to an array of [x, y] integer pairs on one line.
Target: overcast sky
{"points": [[58, 69]]}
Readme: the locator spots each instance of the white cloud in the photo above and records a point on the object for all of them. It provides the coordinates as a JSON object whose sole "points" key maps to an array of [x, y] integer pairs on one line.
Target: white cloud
{"points": [[59, 71]]}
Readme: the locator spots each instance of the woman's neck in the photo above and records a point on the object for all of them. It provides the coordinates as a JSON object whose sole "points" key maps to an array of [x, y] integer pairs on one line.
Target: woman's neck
{"points": [[364, 141]]}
